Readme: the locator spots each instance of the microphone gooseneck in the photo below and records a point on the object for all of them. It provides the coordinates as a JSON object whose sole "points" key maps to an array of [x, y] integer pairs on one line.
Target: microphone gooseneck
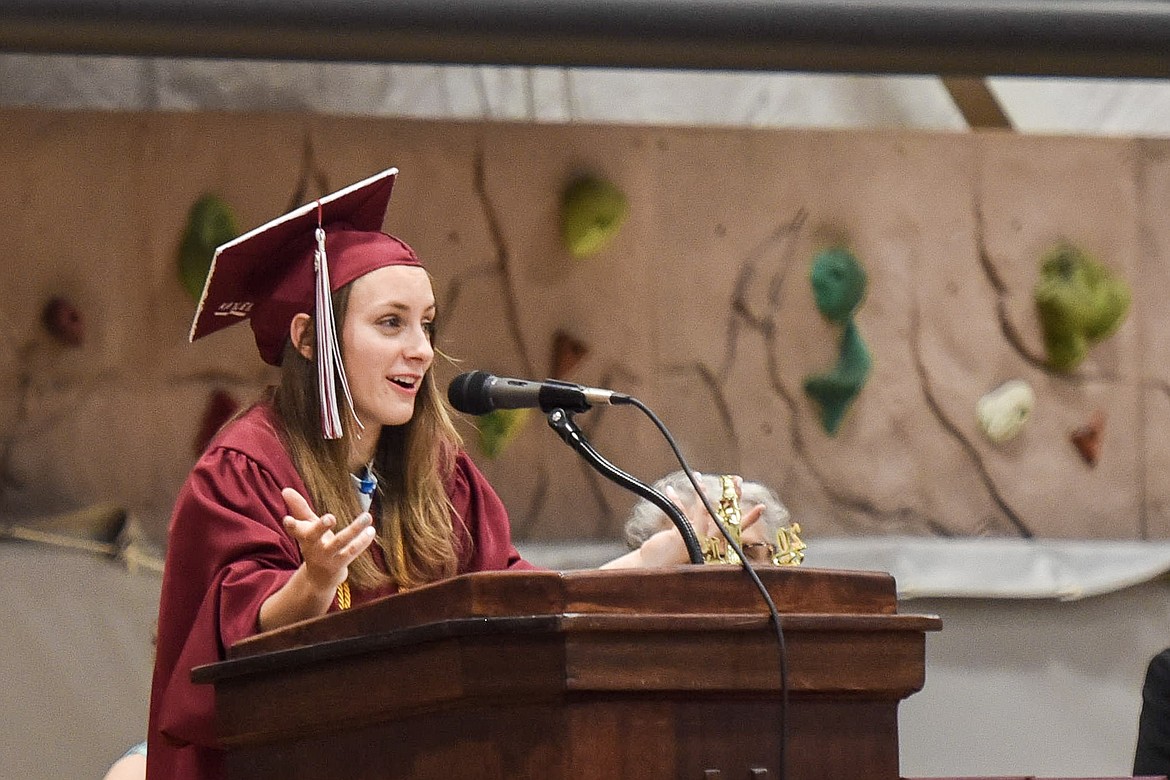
{"points": [[562, 422]]}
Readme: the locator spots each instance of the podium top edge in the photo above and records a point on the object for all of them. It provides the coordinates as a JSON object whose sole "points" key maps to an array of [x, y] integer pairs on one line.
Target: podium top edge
{"points": [[678, 590]]}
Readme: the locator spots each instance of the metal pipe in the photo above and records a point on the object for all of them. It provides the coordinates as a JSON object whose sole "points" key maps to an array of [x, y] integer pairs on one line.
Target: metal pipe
{"points": [[957, 37]]}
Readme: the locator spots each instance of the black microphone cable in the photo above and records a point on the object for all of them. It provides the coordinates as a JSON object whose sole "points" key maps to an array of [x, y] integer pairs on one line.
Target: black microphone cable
{"points": [[773, 613]]}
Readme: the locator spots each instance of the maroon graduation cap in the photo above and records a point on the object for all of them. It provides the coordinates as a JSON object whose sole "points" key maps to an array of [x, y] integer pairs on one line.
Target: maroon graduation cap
{"points": [[291, 265]]}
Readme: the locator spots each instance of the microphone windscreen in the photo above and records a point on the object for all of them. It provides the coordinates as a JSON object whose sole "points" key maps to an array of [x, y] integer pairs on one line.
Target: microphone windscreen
{"points": [[467, 392]]}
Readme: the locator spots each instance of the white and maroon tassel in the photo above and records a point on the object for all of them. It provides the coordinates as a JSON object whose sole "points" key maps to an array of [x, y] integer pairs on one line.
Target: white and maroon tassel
{"points": [[329, 363], [328, 355]]}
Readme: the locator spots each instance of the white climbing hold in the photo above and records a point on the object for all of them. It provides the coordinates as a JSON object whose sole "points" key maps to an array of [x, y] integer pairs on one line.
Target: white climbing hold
{"points": [[1003, 412]]}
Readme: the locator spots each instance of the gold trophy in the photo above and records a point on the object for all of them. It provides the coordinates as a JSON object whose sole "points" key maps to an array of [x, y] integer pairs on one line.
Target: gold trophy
{"points": [[789, 546], [788, 549], [715, 547]]}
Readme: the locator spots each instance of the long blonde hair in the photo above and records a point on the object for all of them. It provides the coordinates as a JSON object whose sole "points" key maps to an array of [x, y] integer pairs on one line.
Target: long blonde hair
{"points": [[412, 511]]}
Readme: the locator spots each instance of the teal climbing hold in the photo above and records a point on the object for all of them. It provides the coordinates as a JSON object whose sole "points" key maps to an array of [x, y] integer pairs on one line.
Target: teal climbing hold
{"points": [[838, 283]]}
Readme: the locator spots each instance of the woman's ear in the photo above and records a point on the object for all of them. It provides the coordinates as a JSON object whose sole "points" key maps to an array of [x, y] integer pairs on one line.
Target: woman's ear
{"points": [[301, 334]]}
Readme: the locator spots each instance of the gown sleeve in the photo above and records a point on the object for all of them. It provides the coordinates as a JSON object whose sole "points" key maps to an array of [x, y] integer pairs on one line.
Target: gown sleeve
{"points": [[227, 552]]}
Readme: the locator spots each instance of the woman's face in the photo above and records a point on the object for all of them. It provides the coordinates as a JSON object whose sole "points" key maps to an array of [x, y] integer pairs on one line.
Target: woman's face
{"points": [[386, 341]]}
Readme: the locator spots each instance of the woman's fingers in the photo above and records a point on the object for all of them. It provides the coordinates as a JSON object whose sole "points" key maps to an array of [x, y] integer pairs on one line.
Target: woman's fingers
{"points": [[320, 544], [326, 551], [358, 544], [301, 522], [330, 545], [297, 505], [327, 556], [355, 536], [311, 531]]}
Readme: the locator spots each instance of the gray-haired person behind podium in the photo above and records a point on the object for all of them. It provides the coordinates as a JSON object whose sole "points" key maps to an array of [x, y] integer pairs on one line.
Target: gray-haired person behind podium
{"points": [[762, 515]]}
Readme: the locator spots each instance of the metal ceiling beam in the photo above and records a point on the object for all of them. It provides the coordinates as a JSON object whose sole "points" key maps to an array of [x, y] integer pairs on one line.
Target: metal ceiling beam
{"points": [[1128, 38]]}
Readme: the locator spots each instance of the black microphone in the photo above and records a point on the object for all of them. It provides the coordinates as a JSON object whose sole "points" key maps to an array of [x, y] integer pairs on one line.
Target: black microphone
{"points": [[478, 392]]}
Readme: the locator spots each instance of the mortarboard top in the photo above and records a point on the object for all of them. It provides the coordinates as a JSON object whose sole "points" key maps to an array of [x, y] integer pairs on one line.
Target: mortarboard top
{"points": [[290, 265], [267, 275]]}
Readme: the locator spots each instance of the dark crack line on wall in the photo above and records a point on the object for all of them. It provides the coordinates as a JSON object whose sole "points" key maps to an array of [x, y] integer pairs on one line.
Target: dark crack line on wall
{"points": [[741, 312], [712, 381], [1008, 328], [449, 305], [739, 306], [1162, 386], [503, 260], [8, 479], [310, 172], [780, 278], [503, 268], [1145, 157], [715, 383], [936, 528], [950, 427], [765, 325]]}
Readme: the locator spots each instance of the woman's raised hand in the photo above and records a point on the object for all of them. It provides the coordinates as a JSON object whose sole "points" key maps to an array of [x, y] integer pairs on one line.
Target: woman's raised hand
{"points": [[326, 554]]}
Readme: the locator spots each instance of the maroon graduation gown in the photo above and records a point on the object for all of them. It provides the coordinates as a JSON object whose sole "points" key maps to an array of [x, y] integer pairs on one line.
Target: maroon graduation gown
{"points": [[228, 551]]}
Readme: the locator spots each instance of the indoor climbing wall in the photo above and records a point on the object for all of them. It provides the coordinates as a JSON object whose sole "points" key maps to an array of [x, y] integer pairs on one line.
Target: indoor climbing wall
{"points": [[955, 334]]}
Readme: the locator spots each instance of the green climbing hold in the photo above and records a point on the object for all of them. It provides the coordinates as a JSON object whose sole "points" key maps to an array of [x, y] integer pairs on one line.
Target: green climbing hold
{"points": [[210, 222], [498, 428], [838, 283], [592, 212], [835, 390], [1079, 302]]}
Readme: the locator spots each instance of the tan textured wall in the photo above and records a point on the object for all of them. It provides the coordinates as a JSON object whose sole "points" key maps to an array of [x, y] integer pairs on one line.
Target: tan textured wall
{"points": [[701, 307]]}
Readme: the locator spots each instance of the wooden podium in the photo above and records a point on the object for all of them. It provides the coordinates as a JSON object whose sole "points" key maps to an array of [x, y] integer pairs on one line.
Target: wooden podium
{"points": [[618, 675]]}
